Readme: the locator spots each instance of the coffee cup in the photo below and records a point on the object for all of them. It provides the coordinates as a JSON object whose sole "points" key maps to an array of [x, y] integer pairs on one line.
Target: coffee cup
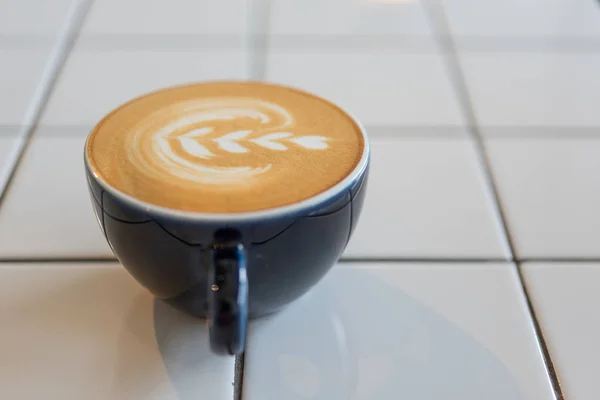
{"points": [[228, 200]]}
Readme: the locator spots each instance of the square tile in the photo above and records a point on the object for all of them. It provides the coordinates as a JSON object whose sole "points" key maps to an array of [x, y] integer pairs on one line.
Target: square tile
{"points": [[21, 73], [35, 17], [373, 331], [89, 331], [344, 17], [93, 83], [565, 298], [534, 89], [47, 211], [523, 18], [167, 17], [381, 87], [425, 199], [550, 192]]}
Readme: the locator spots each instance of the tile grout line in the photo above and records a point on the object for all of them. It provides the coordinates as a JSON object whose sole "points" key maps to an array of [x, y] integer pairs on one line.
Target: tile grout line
{"points": [[57, 260], [472, 44], [437, 15], [423, 260], [52, 69], [572, 260], [343, 260], [238, 372], [258, 21]]}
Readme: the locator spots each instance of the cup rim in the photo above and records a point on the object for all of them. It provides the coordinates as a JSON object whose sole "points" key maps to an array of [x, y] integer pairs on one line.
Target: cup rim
{"points": [[246, 216]]}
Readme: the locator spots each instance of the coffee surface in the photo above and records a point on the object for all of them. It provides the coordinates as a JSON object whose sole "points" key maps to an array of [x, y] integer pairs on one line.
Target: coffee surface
{"points": [[225, 147]]}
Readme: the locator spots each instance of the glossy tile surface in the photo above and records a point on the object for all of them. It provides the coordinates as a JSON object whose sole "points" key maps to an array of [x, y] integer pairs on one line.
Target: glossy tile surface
{"points": [[441, 211], [47, 211], [343, 17], [565, 296], [523, 19], [550, 192], [380, 331], [159, 17], [383, 87], [34, 17], [107, 79], [21, 72], [90, 331], [530, 89]]}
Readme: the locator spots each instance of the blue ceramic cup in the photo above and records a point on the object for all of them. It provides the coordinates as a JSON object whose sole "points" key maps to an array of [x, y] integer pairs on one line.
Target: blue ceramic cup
{"points": [[228, 268]]}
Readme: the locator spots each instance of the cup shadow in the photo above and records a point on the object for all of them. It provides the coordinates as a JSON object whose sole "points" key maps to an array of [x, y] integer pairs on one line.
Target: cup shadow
{"points": [[139, 369], [183, 341], [355, 336], [164, 353]]}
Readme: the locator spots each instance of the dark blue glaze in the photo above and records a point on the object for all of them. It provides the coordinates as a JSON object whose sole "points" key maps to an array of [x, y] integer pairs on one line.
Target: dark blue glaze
{"points": [[286, 255]]}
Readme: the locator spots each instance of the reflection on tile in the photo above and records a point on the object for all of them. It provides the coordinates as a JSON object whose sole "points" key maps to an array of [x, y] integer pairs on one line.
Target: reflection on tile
{"points": [[425, 199], [550, 191], [380, 87], [383, 332], [93, 83], [38, 17], [529, 89], [47, 211], [20, 76], [342, 17], [82, 330], [565, 297], [167, 17], [529, 18]]}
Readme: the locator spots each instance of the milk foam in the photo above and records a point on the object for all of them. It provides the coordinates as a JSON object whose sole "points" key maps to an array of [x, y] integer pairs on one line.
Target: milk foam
{"points": [[188, 147]]}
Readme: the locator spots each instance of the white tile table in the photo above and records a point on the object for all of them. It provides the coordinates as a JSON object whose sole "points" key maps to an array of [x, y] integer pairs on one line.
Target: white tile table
{"points": [[76, 330]]}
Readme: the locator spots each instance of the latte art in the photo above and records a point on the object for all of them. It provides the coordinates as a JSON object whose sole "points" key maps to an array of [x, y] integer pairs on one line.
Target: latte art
{"points": [[225, 147], [188, 143]]}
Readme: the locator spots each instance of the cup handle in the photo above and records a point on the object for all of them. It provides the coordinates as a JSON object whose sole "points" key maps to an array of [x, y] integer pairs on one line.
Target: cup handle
{"points": [[227, 294]]}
